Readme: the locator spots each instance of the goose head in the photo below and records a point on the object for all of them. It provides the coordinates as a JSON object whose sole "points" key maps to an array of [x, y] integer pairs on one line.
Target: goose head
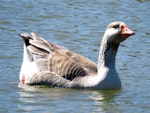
{"points": [[117, 32]]}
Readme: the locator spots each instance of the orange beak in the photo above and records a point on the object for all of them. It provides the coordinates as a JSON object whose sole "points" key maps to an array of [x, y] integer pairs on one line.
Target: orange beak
{"points": [[126, 32]]}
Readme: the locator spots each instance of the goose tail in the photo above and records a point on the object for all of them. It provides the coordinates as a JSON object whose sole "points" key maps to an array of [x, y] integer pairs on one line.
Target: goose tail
{"points": [[36, 46]]}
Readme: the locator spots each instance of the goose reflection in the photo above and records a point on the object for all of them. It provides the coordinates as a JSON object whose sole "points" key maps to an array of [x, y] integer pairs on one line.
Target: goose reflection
{"points": [[104, 100], [34, 98]]}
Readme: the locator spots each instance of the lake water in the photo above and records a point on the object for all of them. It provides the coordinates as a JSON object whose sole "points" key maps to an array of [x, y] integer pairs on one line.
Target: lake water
{"points": [[78, 25]]}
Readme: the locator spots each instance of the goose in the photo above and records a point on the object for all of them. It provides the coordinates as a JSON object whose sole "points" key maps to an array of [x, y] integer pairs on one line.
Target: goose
{"points": [[49, 64]]}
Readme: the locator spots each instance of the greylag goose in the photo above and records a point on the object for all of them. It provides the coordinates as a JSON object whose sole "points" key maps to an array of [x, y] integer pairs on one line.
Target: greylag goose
{"points": [[48, 64]]}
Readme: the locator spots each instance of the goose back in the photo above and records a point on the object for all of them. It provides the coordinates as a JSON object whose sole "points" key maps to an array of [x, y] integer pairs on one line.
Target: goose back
{"points": [[59, 60]]}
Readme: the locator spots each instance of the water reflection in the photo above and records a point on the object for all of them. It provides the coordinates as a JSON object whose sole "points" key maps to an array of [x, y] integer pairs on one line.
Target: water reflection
{"points": [[50, 98], [103, 96], [104, 100], [34, 98]]}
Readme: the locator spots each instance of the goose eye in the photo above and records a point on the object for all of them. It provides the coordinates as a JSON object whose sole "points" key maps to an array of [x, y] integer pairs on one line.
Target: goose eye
{"points": [[116, 26]]}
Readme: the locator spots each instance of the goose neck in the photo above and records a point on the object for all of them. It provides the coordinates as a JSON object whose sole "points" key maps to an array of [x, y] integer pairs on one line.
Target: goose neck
{"points": [[107, 55]]}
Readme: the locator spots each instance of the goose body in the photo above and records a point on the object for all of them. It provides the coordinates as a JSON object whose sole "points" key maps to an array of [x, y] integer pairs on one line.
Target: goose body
{"points": [[45, 63]]}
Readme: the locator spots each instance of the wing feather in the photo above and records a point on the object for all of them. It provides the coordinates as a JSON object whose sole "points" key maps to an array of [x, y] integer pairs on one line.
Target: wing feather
{"points": [[48, 79], [57, 60], [64, 66]]}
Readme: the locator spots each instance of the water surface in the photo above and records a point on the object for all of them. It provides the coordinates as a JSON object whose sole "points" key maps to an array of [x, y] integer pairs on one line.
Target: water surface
{"points": [[79, 26]]}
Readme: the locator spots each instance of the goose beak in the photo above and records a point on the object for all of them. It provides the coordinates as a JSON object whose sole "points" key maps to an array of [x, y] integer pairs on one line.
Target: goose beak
{"points": [[126, 32]]}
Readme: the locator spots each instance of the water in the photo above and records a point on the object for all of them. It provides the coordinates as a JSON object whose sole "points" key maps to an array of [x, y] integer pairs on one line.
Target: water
{"points": [[79, 26]]}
